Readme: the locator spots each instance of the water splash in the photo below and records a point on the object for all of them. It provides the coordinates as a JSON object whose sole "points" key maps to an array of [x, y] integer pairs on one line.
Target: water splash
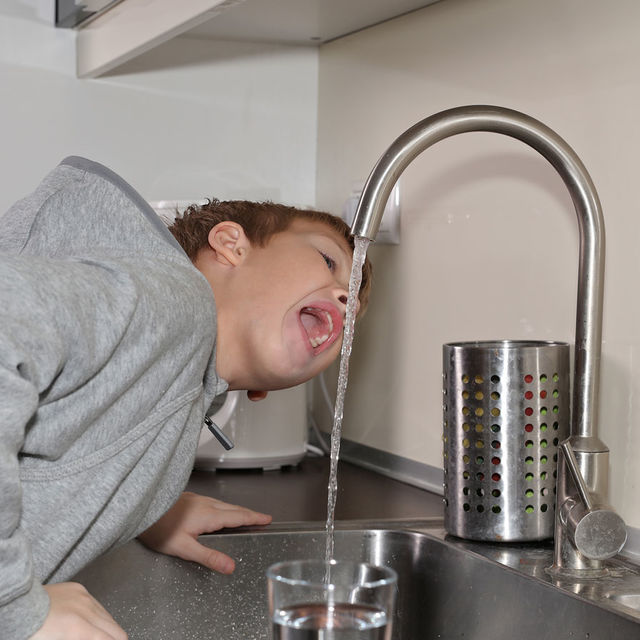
{"points": [[359, 255]]}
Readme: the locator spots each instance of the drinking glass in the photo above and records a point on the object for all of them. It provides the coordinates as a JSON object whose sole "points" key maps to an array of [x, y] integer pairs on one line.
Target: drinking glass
{"points": [[340, 600]]}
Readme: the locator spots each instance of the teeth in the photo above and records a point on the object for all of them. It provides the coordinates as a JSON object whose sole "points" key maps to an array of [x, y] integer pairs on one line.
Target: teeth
{"points": [[330, 321], [316, 342]]}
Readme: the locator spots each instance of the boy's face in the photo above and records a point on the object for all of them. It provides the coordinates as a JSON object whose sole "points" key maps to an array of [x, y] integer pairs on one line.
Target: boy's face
{"points": [[289, 305]]}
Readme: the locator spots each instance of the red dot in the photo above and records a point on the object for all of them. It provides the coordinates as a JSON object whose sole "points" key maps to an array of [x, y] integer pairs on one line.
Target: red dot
{"points": [[495, 477], [528, 395], [528, 428], [495, 460], [528, 411], [528, 378]]}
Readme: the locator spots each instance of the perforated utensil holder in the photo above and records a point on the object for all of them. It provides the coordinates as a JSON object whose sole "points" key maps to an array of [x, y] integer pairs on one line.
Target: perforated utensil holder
{"points": [[506, 408]]}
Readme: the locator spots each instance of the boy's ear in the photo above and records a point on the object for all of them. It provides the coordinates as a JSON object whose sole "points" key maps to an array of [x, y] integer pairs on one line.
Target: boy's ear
{"points": [[229, 243]]}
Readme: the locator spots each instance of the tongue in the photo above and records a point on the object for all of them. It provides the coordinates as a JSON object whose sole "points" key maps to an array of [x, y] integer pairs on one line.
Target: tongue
{"points": [[314, 322]]}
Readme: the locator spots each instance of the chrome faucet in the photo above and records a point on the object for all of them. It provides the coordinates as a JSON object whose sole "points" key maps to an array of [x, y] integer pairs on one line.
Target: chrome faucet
{"points": [[587, 531]]}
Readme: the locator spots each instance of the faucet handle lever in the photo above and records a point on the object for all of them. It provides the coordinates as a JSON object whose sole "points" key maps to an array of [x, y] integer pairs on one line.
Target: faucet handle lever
{"points": [[574, 470], [597, 531]]}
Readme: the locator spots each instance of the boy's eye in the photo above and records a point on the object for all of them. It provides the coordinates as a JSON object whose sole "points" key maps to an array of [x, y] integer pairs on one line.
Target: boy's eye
{"points": [[331, 263]]}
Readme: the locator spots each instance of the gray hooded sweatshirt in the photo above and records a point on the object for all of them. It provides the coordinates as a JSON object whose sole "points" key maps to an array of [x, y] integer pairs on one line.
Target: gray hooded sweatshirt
{"points": [[107, 362]]}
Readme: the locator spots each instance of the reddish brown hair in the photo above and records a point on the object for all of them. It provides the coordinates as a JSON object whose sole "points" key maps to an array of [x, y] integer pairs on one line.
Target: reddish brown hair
{"points": [[260, 221]]}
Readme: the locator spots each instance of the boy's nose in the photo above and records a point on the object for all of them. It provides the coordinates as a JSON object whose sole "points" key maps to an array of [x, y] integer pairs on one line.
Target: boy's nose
{"points": [[343, 298]]}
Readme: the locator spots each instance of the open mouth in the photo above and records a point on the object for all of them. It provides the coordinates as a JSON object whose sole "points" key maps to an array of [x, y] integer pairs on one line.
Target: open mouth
{"points": [[319, 326]]}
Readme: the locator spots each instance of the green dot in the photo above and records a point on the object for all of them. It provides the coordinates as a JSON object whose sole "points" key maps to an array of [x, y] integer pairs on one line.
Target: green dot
{"points": [[529, 493], [529, 476], [529, 509], [543, 459], [543, 444], [543, 426]]}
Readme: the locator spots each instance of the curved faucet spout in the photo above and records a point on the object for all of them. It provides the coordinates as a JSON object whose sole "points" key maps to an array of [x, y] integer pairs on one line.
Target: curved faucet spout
{"points": [[573, 556], [587, 205]]}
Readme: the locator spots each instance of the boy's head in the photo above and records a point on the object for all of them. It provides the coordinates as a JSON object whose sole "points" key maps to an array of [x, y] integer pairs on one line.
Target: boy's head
{"points": [[280, 279], [260, 221]]}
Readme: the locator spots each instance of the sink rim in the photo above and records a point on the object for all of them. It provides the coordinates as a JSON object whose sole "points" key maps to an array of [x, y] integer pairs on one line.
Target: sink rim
{"points": [[521, 558]]}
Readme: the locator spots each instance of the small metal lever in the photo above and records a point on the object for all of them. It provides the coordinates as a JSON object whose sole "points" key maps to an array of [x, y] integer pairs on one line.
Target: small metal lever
{"points": [[597, 531], [226, 442]]}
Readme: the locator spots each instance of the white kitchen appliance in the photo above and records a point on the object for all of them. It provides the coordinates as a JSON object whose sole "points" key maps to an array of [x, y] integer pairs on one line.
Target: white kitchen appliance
{"points": [[267, 434]]}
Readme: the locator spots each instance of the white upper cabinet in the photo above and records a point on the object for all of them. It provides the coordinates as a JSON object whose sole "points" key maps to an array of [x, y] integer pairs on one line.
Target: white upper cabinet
{"points": [[135, 26]]}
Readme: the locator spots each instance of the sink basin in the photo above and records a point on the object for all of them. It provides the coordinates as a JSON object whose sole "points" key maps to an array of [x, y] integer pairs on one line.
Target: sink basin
{"points": [[447, 588]]}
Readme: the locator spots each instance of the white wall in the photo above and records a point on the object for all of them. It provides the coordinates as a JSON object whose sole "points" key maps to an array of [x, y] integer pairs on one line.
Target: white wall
{"points": [[489, 236], [188, 120]]}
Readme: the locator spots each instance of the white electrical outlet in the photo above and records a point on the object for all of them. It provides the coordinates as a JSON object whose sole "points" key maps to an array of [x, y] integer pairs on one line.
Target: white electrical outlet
{"points": [[389, 231]]}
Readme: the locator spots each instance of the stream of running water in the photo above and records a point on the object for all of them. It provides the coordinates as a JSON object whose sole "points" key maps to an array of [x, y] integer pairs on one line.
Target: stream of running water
{"points": [[359, 255]]}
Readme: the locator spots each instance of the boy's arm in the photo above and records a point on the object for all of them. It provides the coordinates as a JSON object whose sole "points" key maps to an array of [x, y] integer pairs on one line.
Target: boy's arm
{"points": [[35, 344], [24, 603]]}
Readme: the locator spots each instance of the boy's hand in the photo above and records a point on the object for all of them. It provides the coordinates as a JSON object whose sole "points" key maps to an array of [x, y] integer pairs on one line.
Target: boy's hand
{"points": [[176, 533], [76, 615]]}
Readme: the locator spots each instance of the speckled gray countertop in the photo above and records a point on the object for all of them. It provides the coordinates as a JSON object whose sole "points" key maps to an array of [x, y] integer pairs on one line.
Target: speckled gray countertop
{"points": [[299, 493]]}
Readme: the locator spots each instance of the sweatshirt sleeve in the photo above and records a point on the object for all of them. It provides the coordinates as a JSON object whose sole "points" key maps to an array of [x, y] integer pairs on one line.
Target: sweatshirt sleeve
{"points": [[30, 356], [48, 312], [24, 603]]}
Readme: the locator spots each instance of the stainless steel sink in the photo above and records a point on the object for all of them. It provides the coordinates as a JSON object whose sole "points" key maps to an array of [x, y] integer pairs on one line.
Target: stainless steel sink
{"points": [[448, 589]]}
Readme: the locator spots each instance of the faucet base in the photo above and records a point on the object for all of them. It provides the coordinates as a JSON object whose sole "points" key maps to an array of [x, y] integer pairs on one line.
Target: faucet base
{"points": [[562, 574]]}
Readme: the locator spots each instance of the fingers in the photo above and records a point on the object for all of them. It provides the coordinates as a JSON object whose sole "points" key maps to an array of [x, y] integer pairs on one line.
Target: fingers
{"points": [[214, 514], [245, 516], [210, 558]]}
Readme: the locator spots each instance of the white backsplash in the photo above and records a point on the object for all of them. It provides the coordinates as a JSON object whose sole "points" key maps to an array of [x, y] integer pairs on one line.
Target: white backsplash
{"points": [[489, 239]]}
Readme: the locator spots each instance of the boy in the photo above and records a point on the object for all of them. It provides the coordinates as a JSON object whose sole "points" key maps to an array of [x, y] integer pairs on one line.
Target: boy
{"points": [[112, 349]]}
